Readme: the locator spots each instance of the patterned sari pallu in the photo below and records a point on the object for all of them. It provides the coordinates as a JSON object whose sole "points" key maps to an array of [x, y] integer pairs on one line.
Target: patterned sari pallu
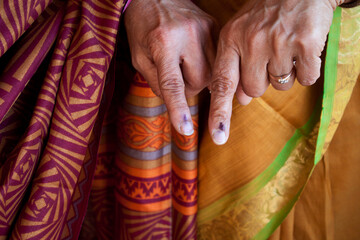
{"points": [[54, 88]]}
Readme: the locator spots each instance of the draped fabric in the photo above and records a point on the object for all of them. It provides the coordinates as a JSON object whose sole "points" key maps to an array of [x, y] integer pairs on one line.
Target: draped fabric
{"points": [[87, 150], [329, 207], [147, 170], [156, 170], [55, 85], [274, 146]]}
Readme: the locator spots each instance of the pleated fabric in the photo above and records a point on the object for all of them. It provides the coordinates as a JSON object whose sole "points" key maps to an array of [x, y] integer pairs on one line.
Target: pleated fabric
{"points": [[55, 86]]}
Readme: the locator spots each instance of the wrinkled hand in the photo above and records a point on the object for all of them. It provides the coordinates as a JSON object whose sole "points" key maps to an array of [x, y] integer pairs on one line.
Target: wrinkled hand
{"points": [[263, 39], [172, 46]]}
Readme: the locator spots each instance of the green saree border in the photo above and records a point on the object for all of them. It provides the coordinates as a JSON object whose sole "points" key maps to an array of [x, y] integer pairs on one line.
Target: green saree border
{"points": [[330, 76], [266, 232], [261, 180]]}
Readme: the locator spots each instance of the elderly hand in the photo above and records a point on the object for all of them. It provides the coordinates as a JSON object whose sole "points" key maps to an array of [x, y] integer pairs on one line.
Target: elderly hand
{"points": [[259, 45], [172, 46]]}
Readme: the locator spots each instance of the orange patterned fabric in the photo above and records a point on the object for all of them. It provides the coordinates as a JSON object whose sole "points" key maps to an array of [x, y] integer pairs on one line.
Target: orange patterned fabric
{"points": [[153, 194]]}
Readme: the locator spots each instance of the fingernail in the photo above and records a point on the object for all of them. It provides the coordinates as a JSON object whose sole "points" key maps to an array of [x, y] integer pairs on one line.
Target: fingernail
{"points": [[219, 136], [186, 127]]}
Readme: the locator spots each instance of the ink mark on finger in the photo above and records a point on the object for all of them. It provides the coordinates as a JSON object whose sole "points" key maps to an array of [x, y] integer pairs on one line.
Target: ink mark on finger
{"points": [[222, 126]]}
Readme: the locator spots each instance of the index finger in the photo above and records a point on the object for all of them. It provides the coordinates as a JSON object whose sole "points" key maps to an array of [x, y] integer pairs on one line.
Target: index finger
{"points": [[223, 86], [172, 89]]}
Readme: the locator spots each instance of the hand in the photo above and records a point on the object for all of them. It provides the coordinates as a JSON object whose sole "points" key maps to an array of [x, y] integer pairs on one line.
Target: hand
{"points": [[258, 45], [172, 46]]}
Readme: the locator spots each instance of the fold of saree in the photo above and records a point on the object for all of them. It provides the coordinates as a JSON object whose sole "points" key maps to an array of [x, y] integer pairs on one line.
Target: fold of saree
{"points": [[287, 134], [329, 206], [54, 79], [80, 133], [146, 176]]}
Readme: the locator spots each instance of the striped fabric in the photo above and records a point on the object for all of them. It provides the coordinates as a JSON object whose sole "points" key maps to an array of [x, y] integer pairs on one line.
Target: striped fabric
{"points": [[59, 69], [154, 195]]}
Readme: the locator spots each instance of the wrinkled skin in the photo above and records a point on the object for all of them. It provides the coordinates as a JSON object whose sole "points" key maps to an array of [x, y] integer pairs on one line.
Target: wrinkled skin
{"points": [[263, 38], [171, 44]]}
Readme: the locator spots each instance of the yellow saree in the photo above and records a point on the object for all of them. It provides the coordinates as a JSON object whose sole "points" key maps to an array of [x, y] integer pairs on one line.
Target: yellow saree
{"points": [[275, 144]]}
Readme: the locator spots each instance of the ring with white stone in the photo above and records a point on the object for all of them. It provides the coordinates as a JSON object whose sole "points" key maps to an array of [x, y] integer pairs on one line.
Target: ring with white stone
{"points": [[282, 79]]}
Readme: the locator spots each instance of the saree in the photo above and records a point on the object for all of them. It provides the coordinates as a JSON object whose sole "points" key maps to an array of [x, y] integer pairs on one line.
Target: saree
{"points": [[56, 72], [87, 150], [275, 144]]}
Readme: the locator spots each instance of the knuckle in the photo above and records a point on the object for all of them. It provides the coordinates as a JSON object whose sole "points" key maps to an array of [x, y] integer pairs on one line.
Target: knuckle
{"points": [[226, 35], [136, 61], [253, 40], [159, 34], [233, 31], [222, 86], [190, 26], [237, 23], [208, 23], [158, 39], [310, 43], [172, 84]]}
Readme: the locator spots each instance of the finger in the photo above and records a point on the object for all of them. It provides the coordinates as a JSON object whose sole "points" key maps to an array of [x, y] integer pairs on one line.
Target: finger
{"points": [[308, 69], [224, 82], [172, 89], [148, 70], [210, 49], [210, 53], [309, 45], [197, 65], [254, 77], [196, 71], [281, 72], [241, 96]]}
